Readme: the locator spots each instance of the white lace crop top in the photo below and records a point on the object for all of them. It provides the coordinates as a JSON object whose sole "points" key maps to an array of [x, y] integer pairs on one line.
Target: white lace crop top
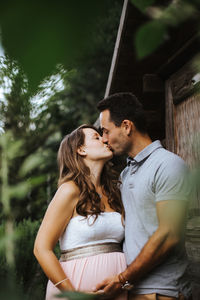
{"points": [[81, 231]]}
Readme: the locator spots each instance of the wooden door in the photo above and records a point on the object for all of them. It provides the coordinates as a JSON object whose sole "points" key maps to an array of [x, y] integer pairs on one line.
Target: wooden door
{"points": [[183, 120], [183, 138]]}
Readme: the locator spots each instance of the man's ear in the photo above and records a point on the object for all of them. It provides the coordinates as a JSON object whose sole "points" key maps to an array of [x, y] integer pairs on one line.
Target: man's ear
{"points": [[81, 151], [128, 126]]}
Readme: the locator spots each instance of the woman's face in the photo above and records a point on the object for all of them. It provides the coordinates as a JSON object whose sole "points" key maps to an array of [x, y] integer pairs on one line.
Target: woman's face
{"points": [[94, 148]]}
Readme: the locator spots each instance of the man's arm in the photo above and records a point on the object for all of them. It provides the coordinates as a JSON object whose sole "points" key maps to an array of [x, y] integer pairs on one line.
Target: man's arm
{"points": [[171, 217]]}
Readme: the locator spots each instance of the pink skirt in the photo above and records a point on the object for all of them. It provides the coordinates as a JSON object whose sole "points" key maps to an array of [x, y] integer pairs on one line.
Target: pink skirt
{"points": [[85, 273]]}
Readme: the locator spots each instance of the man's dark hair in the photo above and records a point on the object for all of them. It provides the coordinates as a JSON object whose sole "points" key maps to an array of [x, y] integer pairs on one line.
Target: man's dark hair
{"points": [[124, 106]]}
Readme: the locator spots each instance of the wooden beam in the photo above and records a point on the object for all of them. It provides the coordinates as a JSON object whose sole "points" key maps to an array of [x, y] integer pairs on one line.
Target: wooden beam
{"points": [[117, 47], [180, 57]]}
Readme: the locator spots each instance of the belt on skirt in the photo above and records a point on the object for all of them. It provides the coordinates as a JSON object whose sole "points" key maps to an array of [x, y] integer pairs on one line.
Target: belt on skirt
{"points": [[89, 250]]}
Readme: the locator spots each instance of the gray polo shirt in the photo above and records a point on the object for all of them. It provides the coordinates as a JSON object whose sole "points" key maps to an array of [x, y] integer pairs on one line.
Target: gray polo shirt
{"points": [[155, 174]]}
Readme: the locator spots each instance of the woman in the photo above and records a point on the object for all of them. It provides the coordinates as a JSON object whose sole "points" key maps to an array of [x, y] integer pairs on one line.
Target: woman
{"points": [[85, 215]]}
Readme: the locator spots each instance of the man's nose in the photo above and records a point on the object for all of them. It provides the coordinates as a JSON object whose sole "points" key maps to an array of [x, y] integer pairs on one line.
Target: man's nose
{"points": [[104, 139]]}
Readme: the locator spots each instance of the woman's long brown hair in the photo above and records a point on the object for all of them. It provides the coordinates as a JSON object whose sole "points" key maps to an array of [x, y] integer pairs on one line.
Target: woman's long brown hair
{"points": [[72, 167]]}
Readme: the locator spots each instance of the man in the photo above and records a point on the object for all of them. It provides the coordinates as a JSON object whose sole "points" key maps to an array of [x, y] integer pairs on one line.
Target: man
{"points": [[155, 195]]}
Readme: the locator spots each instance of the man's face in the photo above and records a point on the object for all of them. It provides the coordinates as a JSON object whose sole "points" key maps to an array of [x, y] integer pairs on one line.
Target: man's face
{"points": [[114, 136]]}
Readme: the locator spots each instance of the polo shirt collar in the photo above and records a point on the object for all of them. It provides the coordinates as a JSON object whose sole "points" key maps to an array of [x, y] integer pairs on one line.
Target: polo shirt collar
{"points": [[146, 152]]}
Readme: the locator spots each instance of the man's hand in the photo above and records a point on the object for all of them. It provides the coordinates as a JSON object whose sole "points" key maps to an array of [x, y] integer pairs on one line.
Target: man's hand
{"points": [[109, 287]]}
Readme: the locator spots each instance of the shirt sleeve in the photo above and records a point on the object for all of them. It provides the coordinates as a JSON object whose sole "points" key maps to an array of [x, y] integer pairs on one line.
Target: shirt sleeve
{"points": [[171, 180]]}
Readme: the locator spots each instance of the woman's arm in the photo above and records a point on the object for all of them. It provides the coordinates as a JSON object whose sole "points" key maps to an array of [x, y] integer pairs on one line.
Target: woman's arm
{"points": [[54, 223]]}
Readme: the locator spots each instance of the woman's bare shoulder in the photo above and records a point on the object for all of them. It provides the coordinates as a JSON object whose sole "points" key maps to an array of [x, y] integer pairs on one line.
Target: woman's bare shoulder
{"points": [[66, 196], [69, 188]]}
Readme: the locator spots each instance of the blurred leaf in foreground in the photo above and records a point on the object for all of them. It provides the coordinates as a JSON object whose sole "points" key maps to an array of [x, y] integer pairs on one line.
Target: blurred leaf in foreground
{"points": [[149, 37], [152, 34], [42, 34], [142, 4], [77, 296]]}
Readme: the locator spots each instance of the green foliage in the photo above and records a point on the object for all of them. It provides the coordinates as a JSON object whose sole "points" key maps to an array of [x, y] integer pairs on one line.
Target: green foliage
{"points": [[12, 151], [175, 14], [149, 37], [17, 95], [27, 275], [9, 289], [46, 33], [78, 296], [27, 144], [143, 4], [30, 163], [28, 272], [152, 34]]}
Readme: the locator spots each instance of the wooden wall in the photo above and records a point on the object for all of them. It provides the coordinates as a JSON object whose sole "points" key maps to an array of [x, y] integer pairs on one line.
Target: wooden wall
{"points": [[183, 138]]}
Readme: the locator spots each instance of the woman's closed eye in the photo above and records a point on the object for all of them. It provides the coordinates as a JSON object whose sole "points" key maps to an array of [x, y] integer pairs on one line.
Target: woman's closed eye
{"points": [[96, 136]]}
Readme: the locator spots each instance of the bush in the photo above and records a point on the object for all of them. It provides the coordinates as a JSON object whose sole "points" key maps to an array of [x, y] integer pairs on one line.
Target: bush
{"points": [[29, 276]]}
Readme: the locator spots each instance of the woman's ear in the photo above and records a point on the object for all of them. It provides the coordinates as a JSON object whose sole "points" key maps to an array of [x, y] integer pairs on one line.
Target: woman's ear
{"points": [[81, 151]]}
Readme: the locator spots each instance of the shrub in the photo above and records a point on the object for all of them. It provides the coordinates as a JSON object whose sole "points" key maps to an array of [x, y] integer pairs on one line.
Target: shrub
{"points": [[29, 276]]}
